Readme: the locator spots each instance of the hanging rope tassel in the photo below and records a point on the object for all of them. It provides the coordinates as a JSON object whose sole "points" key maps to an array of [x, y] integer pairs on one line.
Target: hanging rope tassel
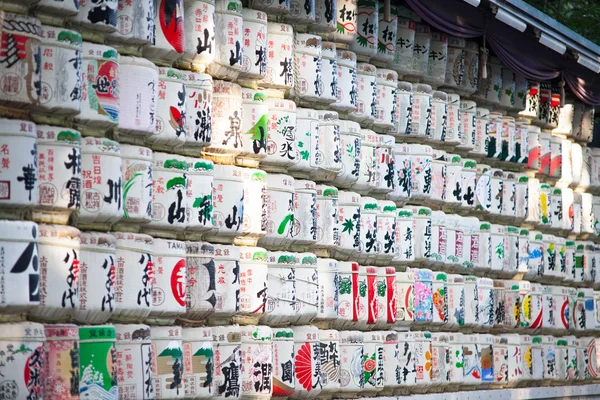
{"points": [[483, 60], [562, 90]]}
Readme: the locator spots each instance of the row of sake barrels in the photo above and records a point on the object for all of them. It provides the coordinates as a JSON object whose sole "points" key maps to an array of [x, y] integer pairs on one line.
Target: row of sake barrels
{"points": [[137, 361]]}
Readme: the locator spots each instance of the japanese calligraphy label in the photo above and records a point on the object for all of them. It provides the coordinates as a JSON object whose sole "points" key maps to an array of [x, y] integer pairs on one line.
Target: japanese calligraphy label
{"points": [[367, 22], [97, 275], [386, 99], [556, 208], [227, 271], [302, 12], [227, 360], [167, 362], [198, 362], [23, 360], [347, 99], [307, 362], [59, 272], [172, 111], [386, 230], [402, 174], [404, 298], [139, 88], [97, 15], [561, 308], [168, 42], [280, 57], [329, 151], [98, 374], [137, 181], [254, 126], [422, 354], [199, 208], [350, 147], [522, 195], [100, 88], [255, 215], [228, 201], [169, 192], [422, 230], [471, 360], [348, 223], [405, 39], [455, 66], [257, 362], [534, 148], [406, 357], [170, 279], [494, 141], [481, 131], [61, 62], [253, 281], [199, 39], [330, 360], [384, 165], [308, 135], [135, 276], [440, 359], [201, 298], [61, 361], [308, 62], [438, 59], [440, 298], [366, 94], [328, 295], [284, 381], [279, 202], [421, 173], [135, 22], [549, 314], [500, 359], [282, 144], [305, 213], [439, 116], [469, 84], [386, 43], [134, 362], [347, 293], [254, 59], [346, 15], [307, 288], [493, 90], [368, 228], [421, 48], [456, 300], [368, 163], [549, 357], [198, 121], [329, 71], [281, 303], [556, 160], [19, 267], [20, 74], [439, 177], [373, 365]]}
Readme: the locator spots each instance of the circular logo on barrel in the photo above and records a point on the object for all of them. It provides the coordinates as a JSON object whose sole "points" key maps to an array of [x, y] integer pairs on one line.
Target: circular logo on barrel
{"points": [[178, 282], [170, 15]]}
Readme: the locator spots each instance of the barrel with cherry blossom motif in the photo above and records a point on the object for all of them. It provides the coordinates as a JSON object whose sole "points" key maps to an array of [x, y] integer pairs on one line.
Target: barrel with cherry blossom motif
{"points": [[257, 362], [169, 25], [308, 86], [253, 284], [421, 159], [347, 99], [283, 362], [134, 361], [135, 25], [134, 271], [227, 203], [199, 195], [329, 151], [19, 372], [61, 360], [305, 213], [280, 56], [366, 95], [59, 271], [199, 43], [281, 303], [198, 111], [201, 296]]}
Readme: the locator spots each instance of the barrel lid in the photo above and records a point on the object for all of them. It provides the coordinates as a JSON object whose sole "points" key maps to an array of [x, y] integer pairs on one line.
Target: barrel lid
{"points": [[277, 28], [351, 337], [255, 255], [373, 337], [16, 127], [283, 334], [225, 88], [135, 241], [328, 50], [307, 43], [281, 105], [440, 96], [401, 148], [329, 335], [227, 252], [201, 334], [282, 257], [456, 279], [440, 276], [200, 166], [51, 35], [366, 69], [386, 207], [346, 59], [328, 117], [306, 260], [198, 80], [305, 333], [59, 234], [348, 198], [405, 87], [254, 95], [327, 192], [387, 141], [304, 186], [369, 205], [201, 249], [387, 76], [327, 265], [132, 332], [228, 173], [165, 332], [422, 274], [61, 332], [47, 134], [171, 74], [256, 334], [280, 182], [95, 145], [101, 241], [254, 175], [485, 282], [482, 113], [346, 267], [404, 213], [137, 61], [226, 334], [169, 247], [27, 331], [19, 231], [306, 113], [421, 212], [422, 88], [421, 150], [251, 15], [99, 51], [97, 333], [129, 151]]}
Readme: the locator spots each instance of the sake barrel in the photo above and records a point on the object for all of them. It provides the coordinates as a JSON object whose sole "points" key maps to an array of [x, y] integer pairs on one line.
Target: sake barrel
{"points": [[561, 308], [435, 74], [139, 97], [347, 294], [509, 141], [456, 300], [391, 360], [227, 291], [402, 62], [374, 373], [307, 289], [199, 195], [301, 13], [350, 147], [282, 143], [327, 217], [522, 144], [324, 16], [494, 142], [329, 151], [532, 100], [169, 189], [284, 381], [440, 349], [455, 64], [407, 359], [403, 118], [471, 67], [135, 25], [368, 146], [280, 57], [198, 110], [307, 360], [19, 170], [556, 160], [584, 309], [328, 296], [134, 361], [439, 174], [481, 133], [253, 282], [227, 361], [439, 236], [453, 120], [384, 165], [134, 271], [170, 280], [167, 362], [21, 73], [22, 238], [455, 372], [405, 246], [329, 73], [171, 116], [402, 174], [352, 362], [201, 280], [199, 42], [61, 360], [369, 210], [254, 127], [27, 338], [556, 206], [169, 25], [98, 359], [543, 115], [330, 360], [96, 280], [534, 148], [95, 17], [61, 60], [227, 202], [282, 288], [540, 353], [254, 58], [422, 354], [100, 89], [305, 213], [255, 189], [367, 22], [468, 183], [421, 48], [279, 203], [385, 100], [346, 22], [387, 30], [347, 99], [366, 94], [570, 249], [421, 173], [422, 229], [307, 128], [308, 84], [421, 111], [137, 186], [386, 231], [349, 204], [257, 362]]}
